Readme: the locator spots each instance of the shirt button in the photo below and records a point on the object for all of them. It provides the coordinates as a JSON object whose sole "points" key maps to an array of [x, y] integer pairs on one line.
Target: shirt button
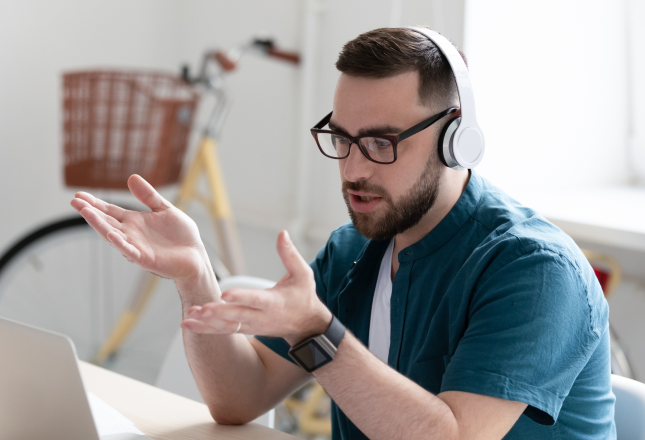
{"points": [[408, 253]]}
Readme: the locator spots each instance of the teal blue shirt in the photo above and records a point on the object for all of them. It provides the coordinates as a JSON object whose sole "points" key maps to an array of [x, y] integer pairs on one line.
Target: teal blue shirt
{"points": [[495, 300]]}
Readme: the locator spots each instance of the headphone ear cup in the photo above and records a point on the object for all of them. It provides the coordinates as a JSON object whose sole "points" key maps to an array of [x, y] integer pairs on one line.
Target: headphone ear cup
{"points": [[445, 143]]}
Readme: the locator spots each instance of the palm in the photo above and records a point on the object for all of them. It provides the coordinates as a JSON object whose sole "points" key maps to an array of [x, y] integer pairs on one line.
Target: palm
{"points": [[165, 241]]}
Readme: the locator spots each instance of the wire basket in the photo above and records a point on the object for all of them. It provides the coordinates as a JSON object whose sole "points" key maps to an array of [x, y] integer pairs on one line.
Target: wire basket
{"points": [[120, 123]]}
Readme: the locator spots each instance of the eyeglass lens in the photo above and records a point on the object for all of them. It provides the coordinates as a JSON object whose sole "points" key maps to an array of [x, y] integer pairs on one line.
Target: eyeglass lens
{"points": [[378, 149]]}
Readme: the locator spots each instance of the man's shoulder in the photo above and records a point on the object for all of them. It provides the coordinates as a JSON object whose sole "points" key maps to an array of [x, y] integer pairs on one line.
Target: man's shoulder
{"points": [[519, 244], [519, 229]]}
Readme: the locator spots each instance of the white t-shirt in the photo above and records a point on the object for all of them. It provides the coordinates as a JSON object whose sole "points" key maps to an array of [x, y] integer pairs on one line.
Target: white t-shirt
{"points": [[379, 342]]}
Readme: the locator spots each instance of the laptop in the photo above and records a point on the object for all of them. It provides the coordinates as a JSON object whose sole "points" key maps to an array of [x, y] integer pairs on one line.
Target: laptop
{"points": [[41, 391]]}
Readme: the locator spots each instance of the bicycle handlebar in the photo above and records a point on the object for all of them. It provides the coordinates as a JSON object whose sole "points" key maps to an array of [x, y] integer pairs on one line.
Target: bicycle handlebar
{"points": [[226, 63], [292, 57], [266, 46]]}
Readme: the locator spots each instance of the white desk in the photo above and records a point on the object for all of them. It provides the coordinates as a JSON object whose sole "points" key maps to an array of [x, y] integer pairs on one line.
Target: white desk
{"points": [[163, 415]]}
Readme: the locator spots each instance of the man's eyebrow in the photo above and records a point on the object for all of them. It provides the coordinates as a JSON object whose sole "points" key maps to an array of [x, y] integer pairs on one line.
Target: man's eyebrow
{"points": [[378, 129]]}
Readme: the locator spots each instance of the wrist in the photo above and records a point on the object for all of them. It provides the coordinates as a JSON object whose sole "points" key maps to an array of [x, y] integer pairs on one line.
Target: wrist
{"points": [[316, 325], [316, 352], [200, 286]]}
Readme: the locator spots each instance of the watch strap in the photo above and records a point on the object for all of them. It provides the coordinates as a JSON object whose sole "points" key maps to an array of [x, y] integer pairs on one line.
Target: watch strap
{"points": [[335, 332]]}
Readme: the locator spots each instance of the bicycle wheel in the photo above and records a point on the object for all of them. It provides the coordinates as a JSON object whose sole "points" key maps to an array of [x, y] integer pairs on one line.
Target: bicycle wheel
{"points": [[63, 277]]}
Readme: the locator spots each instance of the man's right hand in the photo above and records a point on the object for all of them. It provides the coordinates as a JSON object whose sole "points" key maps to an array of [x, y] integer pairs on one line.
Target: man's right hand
{"points": [[250, 379], [165, 241]]}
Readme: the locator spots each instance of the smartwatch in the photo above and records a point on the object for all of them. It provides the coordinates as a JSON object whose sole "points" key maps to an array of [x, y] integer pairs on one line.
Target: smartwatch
{"points": [[320, 350]]}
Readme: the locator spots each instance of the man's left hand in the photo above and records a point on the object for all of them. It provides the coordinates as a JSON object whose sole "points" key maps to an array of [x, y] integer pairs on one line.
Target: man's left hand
{"points": [[290, 310]]}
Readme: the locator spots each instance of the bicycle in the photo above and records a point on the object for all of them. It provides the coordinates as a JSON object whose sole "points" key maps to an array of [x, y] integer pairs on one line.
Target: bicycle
{"points": [[67, 252]]}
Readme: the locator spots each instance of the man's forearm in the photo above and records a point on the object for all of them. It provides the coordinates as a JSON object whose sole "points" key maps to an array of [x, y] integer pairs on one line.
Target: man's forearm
{"points": [[227, 369], [229, 375], [381, 402]]}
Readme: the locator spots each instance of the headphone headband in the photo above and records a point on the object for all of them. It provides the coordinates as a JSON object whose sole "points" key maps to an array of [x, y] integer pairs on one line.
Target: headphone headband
{"points": [[467, 142]]}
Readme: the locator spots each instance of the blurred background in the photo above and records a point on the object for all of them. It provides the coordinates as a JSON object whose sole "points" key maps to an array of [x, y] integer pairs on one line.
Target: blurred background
{"points": [[559, 86]]}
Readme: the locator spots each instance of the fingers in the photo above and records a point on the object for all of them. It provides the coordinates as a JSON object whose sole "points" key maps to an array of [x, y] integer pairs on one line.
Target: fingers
{"points": [[146, 194], [221, 317], [255, 299], [113, 211], [229, 312], [96, 213], [101, 223], [291, 258], [196, 326], [195, 323], [127, 250], [80, 204]]}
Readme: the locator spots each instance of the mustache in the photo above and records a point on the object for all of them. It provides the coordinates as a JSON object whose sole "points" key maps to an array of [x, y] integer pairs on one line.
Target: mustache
{"points": [[365, 187]]}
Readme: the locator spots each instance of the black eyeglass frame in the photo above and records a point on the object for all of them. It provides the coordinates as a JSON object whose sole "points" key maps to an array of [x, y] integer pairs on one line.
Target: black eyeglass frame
{"points": [[394, 139]]}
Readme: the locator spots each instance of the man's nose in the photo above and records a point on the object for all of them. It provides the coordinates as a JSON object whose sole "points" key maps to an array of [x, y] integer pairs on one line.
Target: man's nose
{"points": [[356, 166]]}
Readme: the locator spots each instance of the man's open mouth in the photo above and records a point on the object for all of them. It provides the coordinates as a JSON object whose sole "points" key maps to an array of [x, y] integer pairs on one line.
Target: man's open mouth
{"points": [[364, 203]]}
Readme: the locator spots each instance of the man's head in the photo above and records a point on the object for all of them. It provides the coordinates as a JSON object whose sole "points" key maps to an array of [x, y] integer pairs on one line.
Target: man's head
{"points": [[392, 79], [387, 52]]}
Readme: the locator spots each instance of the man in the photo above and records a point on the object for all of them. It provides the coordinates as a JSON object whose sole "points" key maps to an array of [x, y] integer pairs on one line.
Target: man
{"points": [[482, 319]]}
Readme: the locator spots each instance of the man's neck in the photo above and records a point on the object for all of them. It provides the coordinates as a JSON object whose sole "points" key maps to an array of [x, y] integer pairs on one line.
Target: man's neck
{"points": [[453, 185]]}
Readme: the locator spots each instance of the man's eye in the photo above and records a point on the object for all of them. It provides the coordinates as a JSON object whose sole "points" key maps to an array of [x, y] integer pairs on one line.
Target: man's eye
{"points": [[383, 143], [340, 140]]}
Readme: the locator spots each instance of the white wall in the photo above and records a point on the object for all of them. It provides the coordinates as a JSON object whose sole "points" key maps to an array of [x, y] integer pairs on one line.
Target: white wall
{"points": [[550, 79], [635, 13]]}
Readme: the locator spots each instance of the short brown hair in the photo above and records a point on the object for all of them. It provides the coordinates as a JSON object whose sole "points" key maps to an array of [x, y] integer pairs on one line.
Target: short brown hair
{"points": [[387, 52]]}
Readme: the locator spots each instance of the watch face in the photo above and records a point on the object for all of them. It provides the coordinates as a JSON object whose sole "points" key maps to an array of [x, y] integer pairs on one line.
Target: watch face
{"points": [[311, 355]]}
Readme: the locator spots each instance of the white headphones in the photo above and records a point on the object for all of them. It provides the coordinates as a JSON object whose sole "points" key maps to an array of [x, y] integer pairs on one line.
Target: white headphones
{"points": [[461, 144]]}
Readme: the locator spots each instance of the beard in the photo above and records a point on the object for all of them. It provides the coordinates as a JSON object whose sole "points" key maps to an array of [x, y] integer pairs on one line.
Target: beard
{"points": [[401, 215]]}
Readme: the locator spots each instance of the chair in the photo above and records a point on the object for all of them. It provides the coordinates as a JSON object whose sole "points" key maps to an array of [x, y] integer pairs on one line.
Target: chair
{"points": [[630, 408], [175, 375]]}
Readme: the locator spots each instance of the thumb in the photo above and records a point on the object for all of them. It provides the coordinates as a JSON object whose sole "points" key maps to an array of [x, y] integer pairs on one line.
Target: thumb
{"points": [[146, 194], [291, 258]]}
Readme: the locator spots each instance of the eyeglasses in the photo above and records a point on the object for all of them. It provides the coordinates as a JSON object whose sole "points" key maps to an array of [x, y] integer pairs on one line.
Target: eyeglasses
{"points": [[377, 148]]}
